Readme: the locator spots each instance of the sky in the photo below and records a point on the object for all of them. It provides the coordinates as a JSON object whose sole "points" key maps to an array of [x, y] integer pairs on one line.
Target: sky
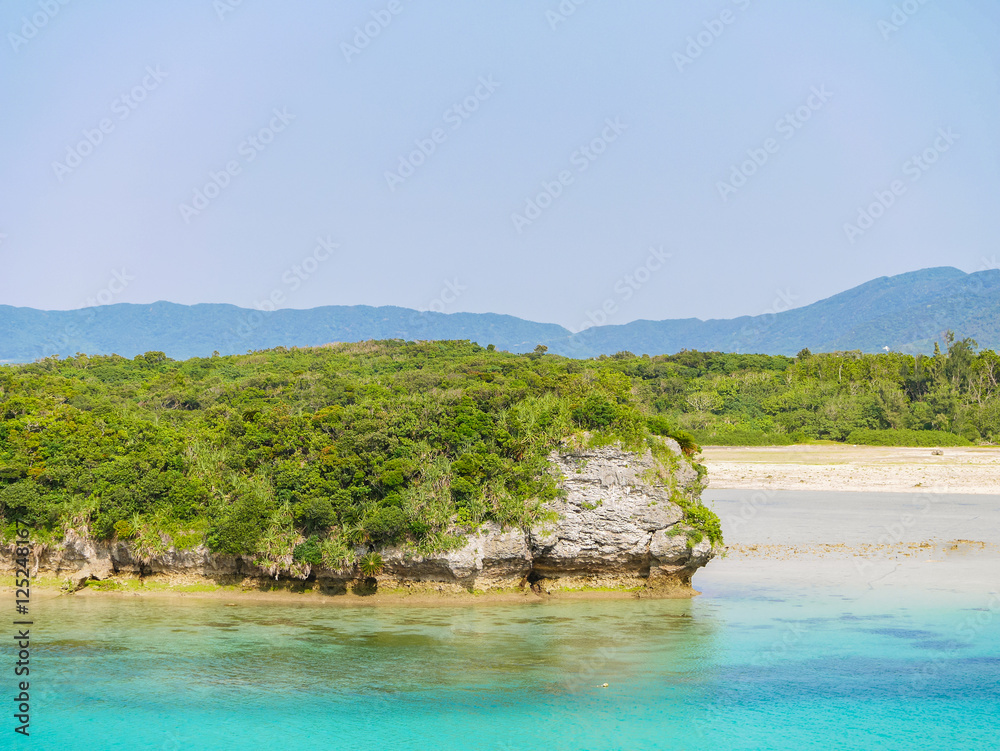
{"points": [[542, 159]]}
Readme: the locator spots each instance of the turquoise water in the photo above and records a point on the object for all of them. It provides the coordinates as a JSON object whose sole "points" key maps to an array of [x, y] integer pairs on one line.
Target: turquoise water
{"points": [[737, 668]]}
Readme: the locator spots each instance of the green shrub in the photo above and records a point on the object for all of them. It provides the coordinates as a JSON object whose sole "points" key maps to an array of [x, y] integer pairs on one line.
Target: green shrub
{"points": [[117, 504], [386, 524], [309, 551], [315, 513], [335, 553], [735, 436], [25, 502], [704, 520], [900, 437], [240, 527], [659, 425], [12, 473], [596, 412], [188, 496]]}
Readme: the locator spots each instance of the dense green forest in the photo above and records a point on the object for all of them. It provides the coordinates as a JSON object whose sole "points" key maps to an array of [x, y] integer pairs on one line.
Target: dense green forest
{"points": [[951, 398], [317, 452]]}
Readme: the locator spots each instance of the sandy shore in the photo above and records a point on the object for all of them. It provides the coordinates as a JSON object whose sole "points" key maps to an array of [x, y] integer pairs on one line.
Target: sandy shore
{"points": [[870, 521], [872, 544], [854, 468]]}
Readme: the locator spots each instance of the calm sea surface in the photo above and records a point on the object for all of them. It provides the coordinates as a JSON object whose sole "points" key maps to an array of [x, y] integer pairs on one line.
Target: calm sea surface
{"points": [[753, 663]]}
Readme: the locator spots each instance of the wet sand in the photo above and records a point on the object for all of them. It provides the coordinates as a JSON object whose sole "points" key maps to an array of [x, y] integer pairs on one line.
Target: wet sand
{"points": [[872, 544]]}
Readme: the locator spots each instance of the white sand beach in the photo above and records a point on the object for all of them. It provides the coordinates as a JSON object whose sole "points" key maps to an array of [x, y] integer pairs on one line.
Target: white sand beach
{"points": [[854, 468]]}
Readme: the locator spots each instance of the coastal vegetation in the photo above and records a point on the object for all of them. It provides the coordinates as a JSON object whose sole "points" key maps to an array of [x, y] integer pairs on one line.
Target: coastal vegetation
{"points": [[317, 456], [323, 455]]}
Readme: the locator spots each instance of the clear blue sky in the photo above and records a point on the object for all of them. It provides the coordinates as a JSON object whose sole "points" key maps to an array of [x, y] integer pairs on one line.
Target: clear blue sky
{"points": [[179, 87]]}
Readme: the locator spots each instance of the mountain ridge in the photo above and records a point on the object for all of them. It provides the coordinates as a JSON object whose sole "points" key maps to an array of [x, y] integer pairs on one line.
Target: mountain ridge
{"points": [[907, 312]]}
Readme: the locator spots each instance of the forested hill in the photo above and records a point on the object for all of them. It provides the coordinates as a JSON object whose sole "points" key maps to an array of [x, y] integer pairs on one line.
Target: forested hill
{"points": [[905, 313]]}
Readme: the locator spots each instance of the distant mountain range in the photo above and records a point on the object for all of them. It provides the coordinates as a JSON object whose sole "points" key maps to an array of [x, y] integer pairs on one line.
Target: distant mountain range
{"points": [[908, 313]]}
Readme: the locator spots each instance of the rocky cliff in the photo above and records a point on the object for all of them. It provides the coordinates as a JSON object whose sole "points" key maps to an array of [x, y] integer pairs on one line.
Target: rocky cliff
{"points": [[618, 524]]}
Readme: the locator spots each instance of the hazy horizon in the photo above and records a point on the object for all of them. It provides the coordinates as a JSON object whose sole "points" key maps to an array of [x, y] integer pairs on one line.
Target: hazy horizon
{"points": [[735, 158]]}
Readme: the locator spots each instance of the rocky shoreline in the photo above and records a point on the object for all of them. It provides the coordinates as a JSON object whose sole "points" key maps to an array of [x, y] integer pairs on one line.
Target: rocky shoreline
{"points": [[615, 527]]}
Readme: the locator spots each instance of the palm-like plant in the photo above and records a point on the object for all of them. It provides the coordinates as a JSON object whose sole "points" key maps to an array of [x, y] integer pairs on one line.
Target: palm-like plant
{"points": [[371, 564], [355, 534]]}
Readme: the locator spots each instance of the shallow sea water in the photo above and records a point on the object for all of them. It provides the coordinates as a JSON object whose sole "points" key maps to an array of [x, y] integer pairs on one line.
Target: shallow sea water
{"points": [[772, 663]]}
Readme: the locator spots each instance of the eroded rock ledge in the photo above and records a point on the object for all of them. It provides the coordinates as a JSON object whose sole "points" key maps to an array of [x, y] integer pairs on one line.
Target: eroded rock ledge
{"points": [[616, 527]]}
